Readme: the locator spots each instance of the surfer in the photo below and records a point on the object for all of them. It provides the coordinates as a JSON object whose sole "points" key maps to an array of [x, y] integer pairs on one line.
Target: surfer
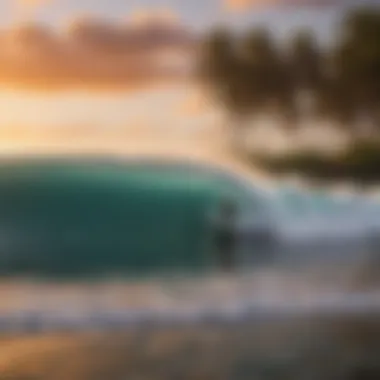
{"points": [[225, 239]]}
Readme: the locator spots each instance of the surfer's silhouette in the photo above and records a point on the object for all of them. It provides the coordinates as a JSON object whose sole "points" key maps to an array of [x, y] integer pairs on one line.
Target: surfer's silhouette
{"points": [[225, 239]]}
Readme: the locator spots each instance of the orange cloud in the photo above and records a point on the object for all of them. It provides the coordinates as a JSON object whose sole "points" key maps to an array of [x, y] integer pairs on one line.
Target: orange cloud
{"points": [[94, 53], [243, 5], [149, 15], [25, 9], [192, 105], [31, 3]]}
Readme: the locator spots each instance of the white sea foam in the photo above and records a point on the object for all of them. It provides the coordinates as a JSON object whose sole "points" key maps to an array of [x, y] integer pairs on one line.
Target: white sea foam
{"points": [[270, 293]]}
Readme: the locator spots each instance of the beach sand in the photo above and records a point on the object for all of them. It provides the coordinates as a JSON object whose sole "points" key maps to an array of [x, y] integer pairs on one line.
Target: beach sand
{"points": [[336, 348]]}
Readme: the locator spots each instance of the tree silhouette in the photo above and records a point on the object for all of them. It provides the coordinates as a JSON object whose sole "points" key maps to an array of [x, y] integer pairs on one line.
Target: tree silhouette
{"points": [[357, 62], [250, 73]]}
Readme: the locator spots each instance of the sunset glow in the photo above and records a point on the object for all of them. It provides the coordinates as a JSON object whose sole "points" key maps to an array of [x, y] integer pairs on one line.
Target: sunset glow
{"points": [[121, 67]]}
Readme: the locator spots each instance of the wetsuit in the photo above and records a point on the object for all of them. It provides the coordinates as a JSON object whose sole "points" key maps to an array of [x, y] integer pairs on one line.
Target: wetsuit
{"points": [[225, 242]]}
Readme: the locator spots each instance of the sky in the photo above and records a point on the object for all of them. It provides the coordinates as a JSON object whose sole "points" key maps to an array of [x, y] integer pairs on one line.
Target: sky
{"points": [[197, 13], [50, 44], [123, 45], [281, 15]]}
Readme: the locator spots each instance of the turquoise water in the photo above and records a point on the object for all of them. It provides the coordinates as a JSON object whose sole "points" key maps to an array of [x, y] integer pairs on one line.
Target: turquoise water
{"points": [[97, 217]]}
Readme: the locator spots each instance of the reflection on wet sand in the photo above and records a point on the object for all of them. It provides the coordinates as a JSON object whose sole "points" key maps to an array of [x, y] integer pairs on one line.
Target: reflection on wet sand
{"points": [[333, 348]]}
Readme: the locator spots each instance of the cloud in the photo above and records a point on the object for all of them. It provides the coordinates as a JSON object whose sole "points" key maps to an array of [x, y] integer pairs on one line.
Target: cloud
{"points": [[26, 9], [31, 3], [193, 104], [243, 5], [149, 15], [91, 52]]}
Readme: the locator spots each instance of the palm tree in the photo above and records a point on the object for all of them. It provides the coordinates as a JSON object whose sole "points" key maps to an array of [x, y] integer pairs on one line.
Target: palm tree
{"points": [[224, 76], [306, 65], [357, 63]]}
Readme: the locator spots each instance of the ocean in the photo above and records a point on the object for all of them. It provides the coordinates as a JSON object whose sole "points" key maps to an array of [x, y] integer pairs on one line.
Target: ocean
{"points": [[137, 294]]}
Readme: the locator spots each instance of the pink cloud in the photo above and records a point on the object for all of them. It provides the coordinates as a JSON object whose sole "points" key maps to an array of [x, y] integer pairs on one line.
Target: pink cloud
{"points": [[243, 5]]}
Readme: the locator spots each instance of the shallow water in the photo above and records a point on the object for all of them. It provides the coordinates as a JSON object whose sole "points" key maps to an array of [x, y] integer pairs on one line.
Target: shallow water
{"points": [[267, 325], [304, 349], [261, 294]]}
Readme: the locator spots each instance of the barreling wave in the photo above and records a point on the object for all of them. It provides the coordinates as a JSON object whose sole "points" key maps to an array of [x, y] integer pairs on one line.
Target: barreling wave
{"points": [[104, 233]]}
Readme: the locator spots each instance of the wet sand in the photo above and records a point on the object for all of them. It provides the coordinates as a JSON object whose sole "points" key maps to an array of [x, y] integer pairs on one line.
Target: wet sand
{"points": [[334, 348]]}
